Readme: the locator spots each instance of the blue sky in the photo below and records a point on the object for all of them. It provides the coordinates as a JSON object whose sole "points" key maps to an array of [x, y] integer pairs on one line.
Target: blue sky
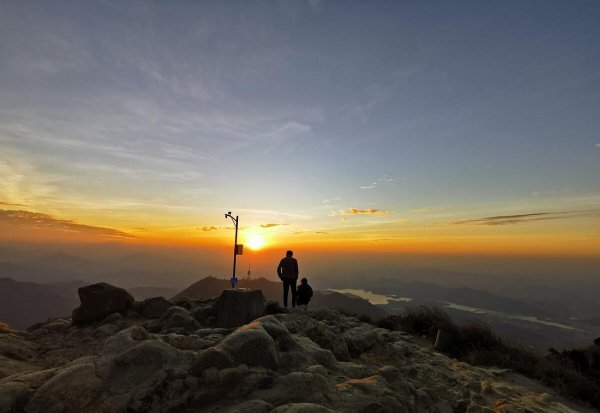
{"points": [[115, 112]]}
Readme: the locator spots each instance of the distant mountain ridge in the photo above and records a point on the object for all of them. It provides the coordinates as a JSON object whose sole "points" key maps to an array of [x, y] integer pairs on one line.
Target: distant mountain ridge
{"points": [[211, 287], [23, 304]]}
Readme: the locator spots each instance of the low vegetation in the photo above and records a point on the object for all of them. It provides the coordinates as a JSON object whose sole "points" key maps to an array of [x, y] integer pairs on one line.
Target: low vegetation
{"points": [[573, 373]]}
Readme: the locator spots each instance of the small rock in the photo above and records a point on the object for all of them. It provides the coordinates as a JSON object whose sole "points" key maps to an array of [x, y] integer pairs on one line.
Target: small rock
{"points": [[57, 325], [442, 407], [460, 406], [390, 373], [251, 406], [112, 318], [317, 369], [12, 394], [178, 318], [423, 397], [476, 408], [209, 358], [155, 307], [202, 312]]}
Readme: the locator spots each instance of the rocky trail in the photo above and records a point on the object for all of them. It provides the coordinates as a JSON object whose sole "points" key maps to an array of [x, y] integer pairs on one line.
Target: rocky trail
{"points": [[236, 354]]}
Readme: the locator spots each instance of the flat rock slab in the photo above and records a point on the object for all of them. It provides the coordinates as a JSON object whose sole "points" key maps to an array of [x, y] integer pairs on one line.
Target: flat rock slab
{"points": [[238, 307]]}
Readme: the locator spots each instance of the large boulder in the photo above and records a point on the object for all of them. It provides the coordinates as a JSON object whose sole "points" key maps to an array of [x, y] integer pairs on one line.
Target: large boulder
{"points": [[238, 307], [252, 346], [100, 300]]}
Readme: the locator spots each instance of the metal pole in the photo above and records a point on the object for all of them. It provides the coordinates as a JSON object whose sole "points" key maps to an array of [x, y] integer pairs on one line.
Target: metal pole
{"points": [[235, 247], [235, 251]]}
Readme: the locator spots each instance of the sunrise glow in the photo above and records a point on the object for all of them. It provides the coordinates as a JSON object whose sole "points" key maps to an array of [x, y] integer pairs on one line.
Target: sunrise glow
{"points": [[382, 146], [256, 242]]}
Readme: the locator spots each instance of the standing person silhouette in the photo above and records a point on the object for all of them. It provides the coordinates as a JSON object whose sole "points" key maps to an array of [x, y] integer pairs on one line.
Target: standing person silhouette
{"points": [[287, 270]]}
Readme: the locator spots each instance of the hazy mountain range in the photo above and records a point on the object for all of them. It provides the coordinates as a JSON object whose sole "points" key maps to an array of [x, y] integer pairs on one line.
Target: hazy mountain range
{"points": [[540, 311]]}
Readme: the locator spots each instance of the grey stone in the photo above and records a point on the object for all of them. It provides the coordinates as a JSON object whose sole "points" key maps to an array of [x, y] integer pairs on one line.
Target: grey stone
{"points": [[251, 406], [100, 300], [155, 307], [253, 346], [209, 358], [73, 390], [12, 396], [301, 408], [178, 318], [202, 312], [238, 307]]}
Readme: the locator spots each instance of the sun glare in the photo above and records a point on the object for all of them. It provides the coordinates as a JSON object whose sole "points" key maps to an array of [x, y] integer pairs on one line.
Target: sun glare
{"points": [[255, 242]]}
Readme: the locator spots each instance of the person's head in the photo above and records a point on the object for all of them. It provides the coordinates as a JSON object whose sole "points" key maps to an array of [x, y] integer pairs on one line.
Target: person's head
{"points": [[304, 281], [289, 253]]}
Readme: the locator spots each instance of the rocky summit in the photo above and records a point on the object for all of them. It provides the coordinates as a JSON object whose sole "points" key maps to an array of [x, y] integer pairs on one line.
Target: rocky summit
{"points": [[239, 354]]}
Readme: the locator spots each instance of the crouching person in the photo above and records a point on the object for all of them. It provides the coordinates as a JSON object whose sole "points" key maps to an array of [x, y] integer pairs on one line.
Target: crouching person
{"points": [[303, 294]]}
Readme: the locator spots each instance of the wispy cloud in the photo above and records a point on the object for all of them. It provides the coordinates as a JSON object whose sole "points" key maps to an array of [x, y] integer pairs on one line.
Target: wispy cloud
{"points": [[426, 210], [328, 201], [11, 204], [272, 225], [373, 185], [43, 221], [523, 218], [357, 211]]}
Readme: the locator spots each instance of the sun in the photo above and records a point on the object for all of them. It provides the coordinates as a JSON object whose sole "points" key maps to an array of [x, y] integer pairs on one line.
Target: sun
{"points": [[255, 242]]}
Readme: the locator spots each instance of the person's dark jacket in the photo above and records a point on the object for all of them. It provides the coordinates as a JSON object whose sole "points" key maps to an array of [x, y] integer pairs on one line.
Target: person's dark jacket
{"points": [[288, 269], [303, 294]]}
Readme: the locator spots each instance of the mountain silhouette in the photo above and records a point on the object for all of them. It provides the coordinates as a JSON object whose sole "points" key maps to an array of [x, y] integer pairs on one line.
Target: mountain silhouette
{"points": [[211, 287]]}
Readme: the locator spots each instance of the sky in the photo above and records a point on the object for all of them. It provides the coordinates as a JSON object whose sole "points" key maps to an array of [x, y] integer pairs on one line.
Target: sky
{"points": [[400, 126]]}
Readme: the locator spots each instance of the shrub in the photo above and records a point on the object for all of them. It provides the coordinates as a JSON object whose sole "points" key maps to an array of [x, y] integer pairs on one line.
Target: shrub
{"points": [[568, 372]]}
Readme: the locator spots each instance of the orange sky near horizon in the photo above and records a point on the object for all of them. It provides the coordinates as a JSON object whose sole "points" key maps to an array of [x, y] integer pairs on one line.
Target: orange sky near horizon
{"points": [[577, 239]]}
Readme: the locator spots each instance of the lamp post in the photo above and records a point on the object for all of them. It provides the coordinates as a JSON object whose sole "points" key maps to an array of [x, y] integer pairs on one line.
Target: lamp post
{"points": [[235, 246]]}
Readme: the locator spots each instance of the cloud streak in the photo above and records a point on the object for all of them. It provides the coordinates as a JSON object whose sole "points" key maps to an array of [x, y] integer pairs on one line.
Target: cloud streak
{"points": [[357, 211], [272, 225], [36, 220], [11, 204], [523, 218]]}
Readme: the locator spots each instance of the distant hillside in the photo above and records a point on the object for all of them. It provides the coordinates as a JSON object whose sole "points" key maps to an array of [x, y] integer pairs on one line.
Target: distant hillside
{"points": [[141, 293], [23, 304], [211, 287]]}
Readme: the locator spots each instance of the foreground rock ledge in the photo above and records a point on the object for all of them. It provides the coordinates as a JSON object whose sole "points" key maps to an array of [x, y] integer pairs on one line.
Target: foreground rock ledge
{"points": [[319, 361]]}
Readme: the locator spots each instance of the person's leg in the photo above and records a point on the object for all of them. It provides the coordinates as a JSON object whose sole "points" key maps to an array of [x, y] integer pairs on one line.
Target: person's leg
{"points": [[286, 285], [293, 287]]}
